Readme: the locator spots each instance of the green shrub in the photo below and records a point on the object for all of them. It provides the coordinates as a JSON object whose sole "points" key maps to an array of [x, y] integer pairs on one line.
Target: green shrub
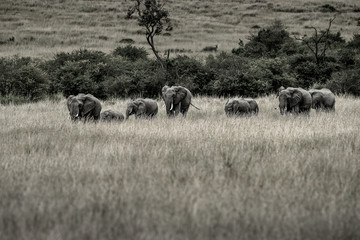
{"points": [[355, 42], [269, 41], [89, 66], [307, 72], [22, 80], [81, 77], [327, 8], [192, 74], [346, 81], [132, 79], [130, 52], [346, 57]]}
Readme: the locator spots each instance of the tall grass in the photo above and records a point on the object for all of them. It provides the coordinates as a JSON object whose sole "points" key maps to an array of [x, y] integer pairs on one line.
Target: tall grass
{"points": [[203, 177]]}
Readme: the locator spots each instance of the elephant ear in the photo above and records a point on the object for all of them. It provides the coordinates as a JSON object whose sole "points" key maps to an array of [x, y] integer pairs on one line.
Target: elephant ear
{"points": [[164, 89], [88, 104], [235, 106], [141, 106], [180, 94], [295, 97], [316, 96]]}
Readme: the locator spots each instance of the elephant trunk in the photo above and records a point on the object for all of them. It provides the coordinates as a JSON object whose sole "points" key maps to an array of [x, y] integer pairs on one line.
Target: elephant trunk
{"points": [[282, 110], [169, 107], [282, 105], [128, 113]]}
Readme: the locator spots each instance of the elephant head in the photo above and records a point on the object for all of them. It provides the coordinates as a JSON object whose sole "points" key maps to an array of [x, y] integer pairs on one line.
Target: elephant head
{"points": [[173, 96], [136, 107], [279, 90], [317, 99], [229, 107], [82, 106], [284, 101]]}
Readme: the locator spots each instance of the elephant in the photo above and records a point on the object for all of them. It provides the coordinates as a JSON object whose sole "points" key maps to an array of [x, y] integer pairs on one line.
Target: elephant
{"points": [[142, 108], [254, 107], [237, 107], [110, 115], [322, 99], [177, 99], [84, 106], [294, 100]]}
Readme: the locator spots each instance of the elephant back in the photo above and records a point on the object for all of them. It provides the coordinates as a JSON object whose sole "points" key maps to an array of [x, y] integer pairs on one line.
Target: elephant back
{"points": [[151, 106]]}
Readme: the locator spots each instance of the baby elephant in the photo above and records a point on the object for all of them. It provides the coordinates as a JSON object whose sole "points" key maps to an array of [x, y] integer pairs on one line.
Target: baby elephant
{"points": [[142, 108], [110, 115], [237, 107]]}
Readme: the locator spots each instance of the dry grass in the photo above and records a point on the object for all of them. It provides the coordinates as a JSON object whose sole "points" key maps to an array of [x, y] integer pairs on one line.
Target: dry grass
{"points": [[204, 177], [43, 28]]}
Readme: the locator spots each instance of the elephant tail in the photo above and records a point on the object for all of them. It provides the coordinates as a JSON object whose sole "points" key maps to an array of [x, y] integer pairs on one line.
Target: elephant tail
{"points": [[195, 106]]}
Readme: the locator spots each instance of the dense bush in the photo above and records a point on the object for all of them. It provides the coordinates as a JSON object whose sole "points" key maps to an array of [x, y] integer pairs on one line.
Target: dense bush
{"points": [[355, 42], [80, 70], [307, 71], [131, 53], [269, 60], [347, 81], [235, 75], [192, 74], [22, 80], [269, 42], [132, 79]]}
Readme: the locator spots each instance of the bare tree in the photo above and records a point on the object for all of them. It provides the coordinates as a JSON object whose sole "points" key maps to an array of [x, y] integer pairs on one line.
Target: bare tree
{"points": [[154, 18], [318, 43]]}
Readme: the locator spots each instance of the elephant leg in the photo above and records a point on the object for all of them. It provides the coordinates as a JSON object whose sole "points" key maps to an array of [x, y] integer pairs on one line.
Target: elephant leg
{"points": [[87, 117], [307, 111], [138, 115], [184, 111], [177, 109]]}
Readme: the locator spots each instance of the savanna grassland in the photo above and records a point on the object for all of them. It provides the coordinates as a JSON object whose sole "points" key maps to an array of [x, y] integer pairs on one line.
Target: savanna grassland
{"points": [[203, 177], [42, 28]]}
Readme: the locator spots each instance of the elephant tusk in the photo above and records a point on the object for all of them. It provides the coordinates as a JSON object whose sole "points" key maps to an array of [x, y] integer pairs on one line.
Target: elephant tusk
{"points": [[171, 107], [76, 115]]}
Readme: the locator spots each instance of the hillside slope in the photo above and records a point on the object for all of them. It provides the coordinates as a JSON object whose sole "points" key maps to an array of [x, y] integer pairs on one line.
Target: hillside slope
{"points": [[40, 28]]}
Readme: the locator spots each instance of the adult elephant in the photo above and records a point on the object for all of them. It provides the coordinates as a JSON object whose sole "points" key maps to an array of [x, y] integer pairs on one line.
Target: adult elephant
{"points": [[322, 99], [84, 106], [177, 99], [142, 108], [110, 115], [294, 100], [254, 107], [237, 107]]}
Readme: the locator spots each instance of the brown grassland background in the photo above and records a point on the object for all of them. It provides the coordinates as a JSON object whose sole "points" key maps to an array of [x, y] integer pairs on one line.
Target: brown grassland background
{"points": [[203, 177]]}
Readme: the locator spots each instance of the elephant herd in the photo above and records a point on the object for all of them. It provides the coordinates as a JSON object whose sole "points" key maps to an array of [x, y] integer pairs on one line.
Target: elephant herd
{"points": [[298, 100], [178, 100]]}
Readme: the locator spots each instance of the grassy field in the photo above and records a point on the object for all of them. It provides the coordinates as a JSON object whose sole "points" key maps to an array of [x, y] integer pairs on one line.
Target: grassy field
{"points": [[203, 177], [42, 28]]}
